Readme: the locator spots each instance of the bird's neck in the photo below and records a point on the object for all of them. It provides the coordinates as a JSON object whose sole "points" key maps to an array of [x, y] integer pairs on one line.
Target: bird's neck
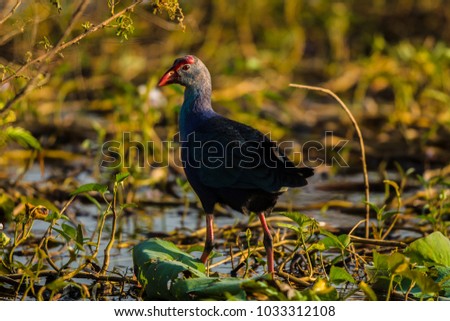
{"points": [[197, 100], [196, 108]]}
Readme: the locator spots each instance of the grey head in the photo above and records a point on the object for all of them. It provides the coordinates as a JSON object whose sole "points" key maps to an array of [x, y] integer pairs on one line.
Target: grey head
{"points": [[188, 71]]}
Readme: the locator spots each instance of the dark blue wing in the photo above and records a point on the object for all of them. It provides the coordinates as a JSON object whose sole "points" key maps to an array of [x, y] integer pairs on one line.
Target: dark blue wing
{"points": [[228, 154]]}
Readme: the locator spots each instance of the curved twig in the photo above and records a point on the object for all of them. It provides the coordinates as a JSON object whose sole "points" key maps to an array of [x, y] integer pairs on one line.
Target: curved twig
{"points": [[356, 239], [361, 144], [11, 12]]}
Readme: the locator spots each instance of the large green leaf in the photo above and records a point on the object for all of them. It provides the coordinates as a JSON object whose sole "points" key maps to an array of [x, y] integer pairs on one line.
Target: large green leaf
{"points": [[425, 285], [433, 249], [210, 288], [397, 264], [160, 250], [168, 273]]}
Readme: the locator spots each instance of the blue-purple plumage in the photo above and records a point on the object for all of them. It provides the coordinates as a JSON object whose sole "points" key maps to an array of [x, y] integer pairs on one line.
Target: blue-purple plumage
{"points": [[226, 161], [238, 165]]}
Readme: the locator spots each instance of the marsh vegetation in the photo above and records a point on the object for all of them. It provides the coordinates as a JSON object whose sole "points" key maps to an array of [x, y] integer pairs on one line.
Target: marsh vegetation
{"points": [[76, 75]]}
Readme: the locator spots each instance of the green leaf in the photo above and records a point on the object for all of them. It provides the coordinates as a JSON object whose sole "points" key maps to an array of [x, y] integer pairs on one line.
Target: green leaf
{"points": [[120, 177], [425, 284], [4, 239], [79, 238], [248, 235], [159, 264], [69, 230], [323, 291], [57, 285], [294, 228], [332, 241], [91, 187], [63, 234], [378, 273], [374, 207], [432, 249], [302, 220], [71, 233], [168, 273], [316, 247], [10, 115], [23, 137], [380, 261], [340, 275], [210, 288], [390, 263], [397, 263], [93, 201], [157, 249], [52, 216], [388, 214]]}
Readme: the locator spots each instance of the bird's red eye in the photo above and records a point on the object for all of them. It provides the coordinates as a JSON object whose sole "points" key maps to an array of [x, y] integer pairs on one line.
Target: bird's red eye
{"points": [[186, 67]]}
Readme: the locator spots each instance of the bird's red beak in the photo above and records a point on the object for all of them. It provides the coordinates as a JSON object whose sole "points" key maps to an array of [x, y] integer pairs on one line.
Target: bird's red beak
{"points": [[169, 78]]}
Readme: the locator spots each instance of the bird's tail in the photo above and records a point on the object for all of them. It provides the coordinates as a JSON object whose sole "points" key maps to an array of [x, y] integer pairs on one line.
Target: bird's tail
{"points": [[296, 177]]}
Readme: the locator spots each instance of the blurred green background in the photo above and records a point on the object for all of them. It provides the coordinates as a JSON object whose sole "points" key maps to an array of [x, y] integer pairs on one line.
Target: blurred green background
{"points": [[388, 60]]}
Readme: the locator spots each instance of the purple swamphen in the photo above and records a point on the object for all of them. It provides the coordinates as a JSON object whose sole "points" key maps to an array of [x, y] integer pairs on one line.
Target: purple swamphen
{"points": [[225, 161]]}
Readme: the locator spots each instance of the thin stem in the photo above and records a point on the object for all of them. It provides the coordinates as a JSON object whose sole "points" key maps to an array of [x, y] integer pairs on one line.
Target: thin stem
{"points": [[399, 205], [11, 12], [356, 239], [295, 279], [308, 258], [65, 277], [361, 144], [391, 283], [11, 279], [20, 238], [355, 227], [113, 232], [100, 227]]}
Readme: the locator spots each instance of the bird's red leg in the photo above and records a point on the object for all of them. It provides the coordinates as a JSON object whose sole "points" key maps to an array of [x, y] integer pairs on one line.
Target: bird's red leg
{"points": [[209, 243], [268, 243]]}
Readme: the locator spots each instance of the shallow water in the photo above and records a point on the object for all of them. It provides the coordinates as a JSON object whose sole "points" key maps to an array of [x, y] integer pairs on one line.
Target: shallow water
{"points": [[138, 224]]}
